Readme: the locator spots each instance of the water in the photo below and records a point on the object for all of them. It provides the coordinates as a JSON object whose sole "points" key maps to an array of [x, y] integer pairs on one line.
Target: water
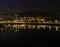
{"points": [[24, 35], [29, 28]]}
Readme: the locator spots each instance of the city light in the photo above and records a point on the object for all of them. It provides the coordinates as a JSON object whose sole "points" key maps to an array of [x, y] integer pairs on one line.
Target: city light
{"points": [[28, 20], [18, 23]]}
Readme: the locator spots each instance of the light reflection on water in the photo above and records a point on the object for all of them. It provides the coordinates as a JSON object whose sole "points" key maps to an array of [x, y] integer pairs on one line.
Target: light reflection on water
{"points": [[17, 28]]}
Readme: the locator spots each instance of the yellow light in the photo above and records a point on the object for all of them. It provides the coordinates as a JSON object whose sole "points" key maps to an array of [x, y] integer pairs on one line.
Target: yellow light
{"points": [[22, 25], [14, 25]]}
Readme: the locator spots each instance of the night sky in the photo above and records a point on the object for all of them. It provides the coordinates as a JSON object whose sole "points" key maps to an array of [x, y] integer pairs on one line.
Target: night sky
{"points": [[30, 5]]}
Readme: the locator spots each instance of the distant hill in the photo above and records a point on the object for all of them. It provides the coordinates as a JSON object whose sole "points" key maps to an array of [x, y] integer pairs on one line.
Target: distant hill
{"points": [[38, 13], [35, 14]]}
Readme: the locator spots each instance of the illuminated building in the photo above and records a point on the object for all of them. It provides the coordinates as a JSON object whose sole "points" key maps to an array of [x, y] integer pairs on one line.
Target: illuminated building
{"points": [[23, 22]]}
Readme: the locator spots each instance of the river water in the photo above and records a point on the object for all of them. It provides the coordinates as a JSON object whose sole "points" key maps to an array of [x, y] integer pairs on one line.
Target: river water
{"points": [[21, 35]]}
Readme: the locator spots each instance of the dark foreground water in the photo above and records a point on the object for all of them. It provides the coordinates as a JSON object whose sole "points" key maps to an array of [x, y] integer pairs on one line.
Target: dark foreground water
{"points": [[20, 39]]}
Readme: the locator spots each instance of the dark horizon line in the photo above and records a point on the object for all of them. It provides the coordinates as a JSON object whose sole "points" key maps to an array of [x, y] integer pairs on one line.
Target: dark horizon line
{"points": [[28, 12]]}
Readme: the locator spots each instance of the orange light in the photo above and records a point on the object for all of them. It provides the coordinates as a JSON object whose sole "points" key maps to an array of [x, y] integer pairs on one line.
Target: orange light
{"points": [[22, 25]]}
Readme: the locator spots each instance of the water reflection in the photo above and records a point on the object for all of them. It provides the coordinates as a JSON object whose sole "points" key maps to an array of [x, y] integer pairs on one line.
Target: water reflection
{"points": [[50, 27], [17, 28]]}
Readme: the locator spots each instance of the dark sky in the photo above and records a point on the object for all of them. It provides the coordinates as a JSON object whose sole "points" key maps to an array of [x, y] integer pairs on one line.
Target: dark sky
{"points": [[29, 5]]}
